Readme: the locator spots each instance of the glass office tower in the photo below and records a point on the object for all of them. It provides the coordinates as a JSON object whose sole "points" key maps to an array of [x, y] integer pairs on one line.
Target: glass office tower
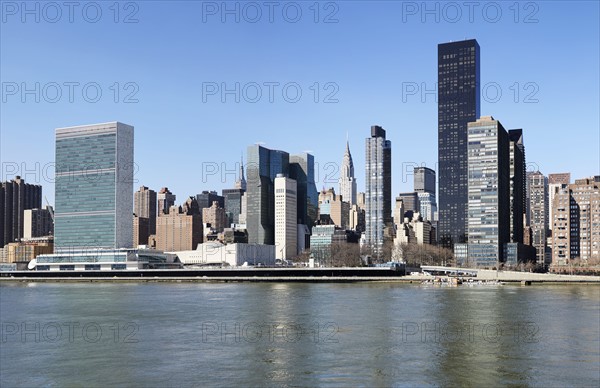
{"points": [[458, 104], [489, 192], [94, 187], [302, 170], [263, 166]]}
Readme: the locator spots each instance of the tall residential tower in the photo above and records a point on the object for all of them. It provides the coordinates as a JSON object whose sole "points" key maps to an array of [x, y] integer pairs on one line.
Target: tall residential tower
{"points": [[378, 189], [537, 187], [16, 196], [144, 206]]}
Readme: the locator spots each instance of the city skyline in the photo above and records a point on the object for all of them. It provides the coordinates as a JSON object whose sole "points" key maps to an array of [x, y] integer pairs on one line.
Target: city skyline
{"points": [[364, 98], [300, 193]]}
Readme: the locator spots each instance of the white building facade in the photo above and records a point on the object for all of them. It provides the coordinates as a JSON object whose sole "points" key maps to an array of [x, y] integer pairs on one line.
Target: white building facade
{"points": [[286, 215], [234, 255]]}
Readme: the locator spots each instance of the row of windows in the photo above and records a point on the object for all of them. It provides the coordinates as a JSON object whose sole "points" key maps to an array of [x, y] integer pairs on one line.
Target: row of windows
{"points": [[82, 259], [88, 267], [74, 154]]}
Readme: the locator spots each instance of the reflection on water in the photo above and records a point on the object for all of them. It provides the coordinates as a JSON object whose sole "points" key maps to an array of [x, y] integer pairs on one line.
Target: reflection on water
{"points": [[287, 334]]}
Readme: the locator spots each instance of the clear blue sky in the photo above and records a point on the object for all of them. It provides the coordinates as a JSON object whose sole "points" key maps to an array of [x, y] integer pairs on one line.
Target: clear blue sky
{"points": [[368, 55]]}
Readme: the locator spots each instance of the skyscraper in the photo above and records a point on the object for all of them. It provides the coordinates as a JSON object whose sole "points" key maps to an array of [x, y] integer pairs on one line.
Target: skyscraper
{"points": [[144, 206], [286, 225], [378, 189], [424, 180], [458, 104], [263, 166], [94, 187], [302, 170], [518, 177], [233, 204], [347, 180], [537, 185], [16, 196], [488, 192]]}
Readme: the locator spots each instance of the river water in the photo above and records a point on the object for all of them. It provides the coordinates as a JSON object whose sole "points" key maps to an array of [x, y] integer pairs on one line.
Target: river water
{"points": [[298, 334]]}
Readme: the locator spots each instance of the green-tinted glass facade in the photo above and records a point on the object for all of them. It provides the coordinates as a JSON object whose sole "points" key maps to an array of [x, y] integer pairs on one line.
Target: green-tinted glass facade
{"points": [[93, 185]]}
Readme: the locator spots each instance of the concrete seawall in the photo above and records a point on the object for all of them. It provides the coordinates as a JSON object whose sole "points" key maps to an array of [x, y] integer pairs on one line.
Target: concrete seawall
{"points": [[314, 275], [214, 274]]}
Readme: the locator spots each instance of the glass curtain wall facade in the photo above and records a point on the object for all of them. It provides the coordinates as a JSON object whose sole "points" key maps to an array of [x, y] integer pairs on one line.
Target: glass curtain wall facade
{"points": [[233, 204], [488, 192], [458, 104], [262, 169], [518, 176], [302, 170], [94, 187]]}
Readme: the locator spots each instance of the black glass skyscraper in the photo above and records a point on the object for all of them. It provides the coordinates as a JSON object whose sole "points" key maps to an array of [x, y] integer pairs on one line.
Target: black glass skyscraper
{"points": [[518, 177], [302, 170], [458, 104], [263, 166]]}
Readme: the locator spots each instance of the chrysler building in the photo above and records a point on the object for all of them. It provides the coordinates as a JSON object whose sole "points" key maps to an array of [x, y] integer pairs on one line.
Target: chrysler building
{"points": [[347, 180]]}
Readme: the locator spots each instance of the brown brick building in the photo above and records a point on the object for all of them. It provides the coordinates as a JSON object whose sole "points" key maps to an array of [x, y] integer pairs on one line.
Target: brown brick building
{"points": [[178, 231]]}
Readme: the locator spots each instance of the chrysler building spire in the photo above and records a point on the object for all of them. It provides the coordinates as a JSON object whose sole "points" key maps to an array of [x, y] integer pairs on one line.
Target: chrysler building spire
{"points": [[347, 181]]}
